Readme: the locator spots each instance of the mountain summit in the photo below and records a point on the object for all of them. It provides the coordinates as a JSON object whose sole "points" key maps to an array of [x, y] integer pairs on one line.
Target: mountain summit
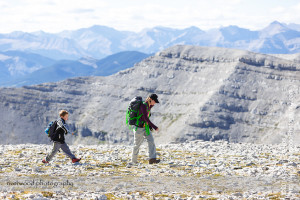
{"points": [[101, 41]]}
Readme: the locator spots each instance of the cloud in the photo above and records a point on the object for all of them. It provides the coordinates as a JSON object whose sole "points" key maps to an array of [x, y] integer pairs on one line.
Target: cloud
{"points": [[80, 10], [134, 15], [278, 9]]}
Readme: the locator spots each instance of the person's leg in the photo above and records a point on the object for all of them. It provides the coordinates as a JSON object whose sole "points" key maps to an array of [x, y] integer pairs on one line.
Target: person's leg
{"points": [[56, 147], [67, 151], [151, 145], [138, 140]]}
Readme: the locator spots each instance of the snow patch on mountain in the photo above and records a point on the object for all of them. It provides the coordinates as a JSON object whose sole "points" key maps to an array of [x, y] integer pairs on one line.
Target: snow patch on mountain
{"points": [[89, 61]]}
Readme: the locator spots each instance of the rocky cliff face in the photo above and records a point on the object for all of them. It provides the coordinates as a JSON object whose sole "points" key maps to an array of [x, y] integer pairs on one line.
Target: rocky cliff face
{"points": [[205, 93]]}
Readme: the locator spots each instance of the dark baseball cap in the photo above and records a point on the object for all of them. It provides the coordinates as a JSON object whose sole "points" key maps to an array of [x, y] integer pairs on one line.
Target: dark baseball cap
{"points": [[154, 97]]}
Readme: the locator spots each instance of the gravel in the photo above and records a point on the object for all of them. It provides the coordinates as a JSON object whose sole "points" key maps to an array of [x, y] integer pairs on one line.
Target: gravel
{"points": [[191, 170]]}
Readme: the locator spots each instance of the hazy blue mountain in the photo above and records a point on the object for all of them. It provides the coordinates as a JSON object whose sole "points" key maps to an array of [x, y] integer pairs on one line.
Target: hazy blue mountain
{"points": [[117, 62], [4, 72], [278, 38], [64, 69], [191, 35], [158, 38], [101, 41], [294, 26], [235, 33], [57, 72], [46, 44], [16, 64], [97, 41]]}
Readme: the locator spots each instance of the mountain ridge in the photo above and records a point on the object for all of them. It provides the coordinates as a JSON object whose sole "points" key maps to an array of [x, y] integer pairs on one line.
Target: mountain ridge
{"points": [[100, 41], [207, 93], [46, 70]]}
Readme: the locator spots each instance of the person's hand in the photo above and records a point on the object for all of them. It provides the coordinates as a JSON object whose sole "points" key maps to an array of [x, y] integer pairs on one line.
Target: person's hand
{"points": [[157, 130]]}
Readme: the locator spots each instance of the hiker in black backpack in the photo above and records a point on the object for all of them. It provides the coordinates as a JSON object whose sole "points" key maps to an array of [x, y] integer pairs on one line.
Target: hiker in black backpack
{"points": [[60, 128], [143, 127]]}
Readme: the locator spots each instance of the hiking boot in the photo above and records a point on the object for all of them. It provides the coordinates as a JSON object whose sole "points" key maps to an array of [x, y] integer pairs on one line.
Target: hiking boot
{"points": [[74, 160], [44, 161], [154, 161]]}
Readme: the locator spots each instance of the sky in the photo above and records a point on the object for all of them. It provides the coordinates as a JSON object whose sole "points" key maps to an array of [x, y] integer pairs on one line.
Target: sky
{"points": [[135, 15]]}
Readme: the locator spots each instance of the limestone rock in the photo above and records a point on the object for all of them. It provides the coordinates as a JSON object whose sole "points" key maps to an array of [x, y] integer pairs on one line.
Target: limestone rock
{"points": [[206, 93]]}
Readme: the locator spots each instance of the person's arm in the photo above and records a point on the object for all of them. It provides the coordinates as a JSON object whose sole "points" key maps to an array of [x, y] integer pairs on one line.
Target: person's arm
{"points": [[63, 126], [146, 118]]}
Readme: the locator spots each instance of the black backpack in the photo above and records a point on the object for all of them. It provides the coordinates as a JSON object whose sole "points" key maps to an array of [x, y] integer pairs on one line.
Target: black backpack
{"points": [[133, 115], [51, 129]]}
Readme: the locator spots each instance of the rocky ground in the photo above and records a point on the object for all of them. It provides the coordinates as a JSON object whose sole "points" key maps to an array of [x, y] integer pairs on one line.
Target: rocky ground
{"points": [[193, 170]]}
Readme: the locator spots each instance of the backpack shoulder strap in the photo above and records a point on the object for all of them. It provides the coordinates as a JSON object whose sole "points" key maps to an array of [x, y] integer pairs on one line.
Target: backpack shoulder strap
{"points": [[147, 108]]}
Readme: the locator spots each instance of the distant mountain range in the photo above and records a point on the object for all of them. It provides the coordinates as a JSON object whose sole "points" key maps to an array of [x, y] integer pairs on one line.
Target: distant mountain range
{"points": [[19, 68], [38, 57], [101, 41], [17, 64]]}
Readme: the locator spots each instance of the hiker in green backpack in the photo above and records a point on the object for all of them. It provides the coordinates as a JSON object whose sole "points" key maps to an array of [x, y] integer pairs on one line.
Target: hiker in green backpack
{"points": [[142, 130]]}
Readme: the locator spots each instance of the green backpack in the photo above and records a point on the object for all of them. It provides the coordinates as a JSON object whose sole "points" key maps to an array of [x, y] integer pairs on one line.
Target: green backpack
{"points": [[133, 114]]}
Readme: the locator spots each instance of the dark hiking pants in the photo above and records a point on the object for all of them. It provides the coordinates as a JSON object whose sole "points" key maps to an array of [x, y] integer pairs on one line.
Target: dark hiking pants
{"points": [[64, 147]]}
